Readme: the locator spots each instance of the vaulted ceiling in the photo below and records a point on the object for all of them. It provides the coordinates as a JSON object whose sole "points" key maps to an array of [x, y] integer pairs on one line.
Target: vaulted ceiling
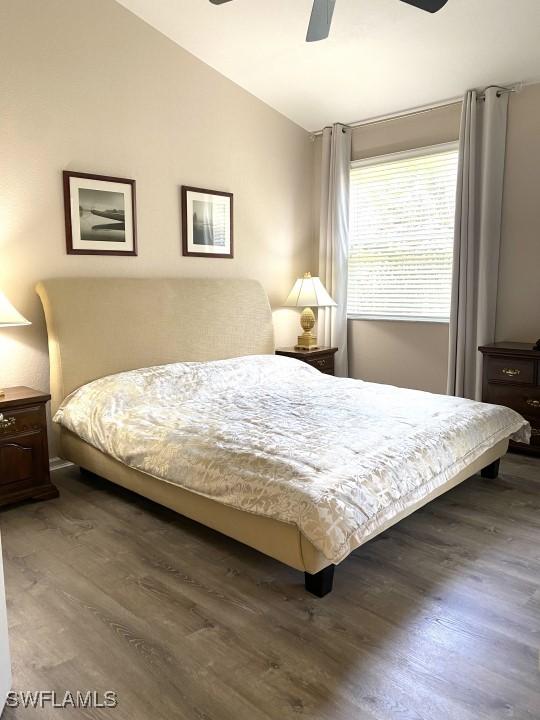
{"points": [[382, 56]]}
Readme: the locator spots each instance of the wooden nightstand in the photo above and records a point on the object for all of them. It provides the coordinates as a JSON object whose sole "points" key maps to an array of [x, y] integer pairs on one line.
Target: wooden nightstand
{"points": [[322, 358], [512, 378], [24, 455]]}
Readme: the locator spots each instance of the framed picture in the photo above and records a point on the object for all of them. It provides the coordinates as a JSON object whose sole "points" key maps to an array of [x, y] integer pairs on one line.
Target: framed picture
{"points": [[100, 214], [207, 223]]}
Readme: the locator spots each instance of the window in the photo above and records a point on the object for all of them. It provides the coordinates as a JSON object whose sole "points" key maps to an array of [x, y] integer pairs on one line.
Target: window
{"points": [[401, 235]]}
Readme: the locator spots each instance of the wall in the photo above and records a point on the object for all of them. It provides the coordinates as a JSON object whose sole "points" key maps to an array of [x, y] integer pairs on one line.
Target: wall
{"points": [[88, 86], [407, 354], [415, 354], [518, 306]]}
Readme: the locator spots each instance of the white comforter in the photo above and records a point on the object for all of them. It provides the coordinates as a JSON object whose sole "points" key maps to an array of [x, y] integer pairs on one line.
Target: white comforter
{"points": [[272, 436]]}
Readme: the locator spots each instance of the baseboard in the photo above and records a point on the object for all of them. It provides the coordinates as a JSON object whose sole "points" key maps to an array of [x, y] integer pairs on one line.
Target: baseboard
{"points": [[56, 463]]}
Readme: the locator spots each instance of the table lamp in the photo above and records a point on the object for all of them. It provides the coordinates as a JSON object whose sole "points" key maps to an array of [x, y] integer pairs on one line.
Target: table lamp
{"points": [[308, 292], [9, 317]]}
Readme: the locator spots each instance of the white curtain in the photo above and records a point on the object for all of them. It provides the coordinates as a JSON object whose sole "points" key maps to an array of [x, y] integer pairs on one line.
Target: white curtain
{"points": [[482, 146], [334, 239]]}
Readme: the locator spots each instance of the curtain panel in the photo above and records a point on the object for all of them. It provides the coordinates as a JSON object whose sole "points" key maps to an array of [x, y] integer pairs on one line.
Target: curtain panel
{"points": [[482, 147], [334, 239]]}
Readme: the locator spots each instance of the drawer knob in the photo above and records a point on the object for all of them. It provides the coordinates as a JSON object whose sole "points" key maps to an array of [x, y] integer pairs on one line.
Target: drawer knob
{"points": [[534, 403], [511, 372], [321, 363], [6, 423]]}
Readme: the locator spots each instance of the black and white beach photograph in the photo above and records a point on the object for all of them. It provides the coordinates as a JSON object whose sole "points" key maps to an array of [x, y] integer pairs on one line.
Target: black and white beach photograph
{"points": [[207, 224], [100, 214]]}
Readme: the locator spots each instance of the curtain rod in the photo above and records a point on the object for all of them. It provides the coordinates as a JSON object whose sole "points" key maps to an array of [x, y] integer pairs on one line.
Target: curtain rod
{"points": [[503, 90], [420, 110], [396, 116]]}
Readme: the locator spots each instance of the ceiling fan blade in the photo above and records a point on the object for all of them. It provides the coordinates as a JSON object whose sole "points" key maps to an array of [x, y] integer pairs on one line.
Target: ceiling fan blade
{"points": [[431, 6], [321, 19], [219, 2]]}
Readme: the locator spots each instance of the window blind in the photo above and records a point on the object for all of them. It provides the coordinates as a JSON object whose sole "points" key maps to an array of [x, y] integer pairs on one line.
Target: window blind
{"points": [[401, 235]]}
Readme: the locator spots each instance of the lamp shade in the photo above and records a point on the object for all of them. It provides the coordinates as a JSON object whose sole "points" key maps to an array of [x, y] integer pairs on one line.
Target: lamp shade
{"points": [[309, 292], [10, 317]]}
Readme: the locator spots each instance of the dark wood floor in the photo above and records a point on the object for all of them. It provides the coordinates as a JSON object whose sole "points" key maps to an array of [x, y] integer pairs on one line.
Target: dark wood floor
{"points": [[437, 619]]}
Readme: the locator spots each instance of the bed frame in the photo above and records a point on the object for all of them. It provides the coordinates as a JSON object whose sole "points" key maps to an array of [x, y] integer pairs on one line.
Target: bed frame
{"points": [[100, 326]]}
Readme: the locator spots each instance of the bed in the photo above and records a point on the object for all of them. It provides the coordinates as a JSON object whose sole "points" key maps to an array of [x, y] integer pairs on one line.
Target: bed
{"points": [[169, 387]]}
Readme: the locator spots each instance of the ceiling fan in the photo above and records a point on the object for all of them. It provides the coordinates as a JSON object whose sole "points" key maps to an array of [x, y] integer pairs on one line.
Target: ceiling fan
{"points": [[322, 11]]}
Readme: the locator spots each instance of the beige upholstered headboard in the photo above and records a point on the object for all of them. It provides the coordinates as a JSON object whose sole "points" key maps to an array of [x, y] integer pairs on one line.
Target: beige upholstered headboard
{"points": [[99, 326]]}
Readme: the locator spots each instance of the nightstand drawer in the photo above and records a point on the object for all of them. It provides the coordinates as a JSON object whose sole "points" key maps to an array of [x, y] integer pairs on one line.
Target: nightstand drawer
{"points": [[27, 419], [525, 401], [21, 460], [324, 364], [24, 455], [512, 370]]}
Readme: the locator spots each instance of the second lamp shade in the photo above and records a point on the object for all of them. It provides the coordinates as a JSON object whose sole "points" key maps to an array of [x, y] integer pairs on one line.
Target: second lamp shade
{"points": [[309, 292]]}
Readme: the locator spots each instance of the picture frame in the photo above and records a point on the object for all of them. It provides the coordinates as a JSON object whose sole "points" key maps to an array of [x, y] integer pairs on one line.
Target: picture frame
{"points": [[99, 214], [207, 223]]}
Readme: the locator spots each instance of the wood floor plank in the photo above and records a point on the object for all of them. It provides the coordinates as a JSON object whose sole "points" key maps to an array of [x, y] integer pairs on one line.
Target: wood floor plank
{"points": [[438, 619]]}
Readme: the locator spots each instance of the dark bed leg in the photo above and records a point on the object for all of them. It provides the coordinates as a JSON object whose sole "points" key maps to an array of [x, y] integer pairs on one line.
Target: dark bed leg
{"points": [[321, 583], [491, 472]]}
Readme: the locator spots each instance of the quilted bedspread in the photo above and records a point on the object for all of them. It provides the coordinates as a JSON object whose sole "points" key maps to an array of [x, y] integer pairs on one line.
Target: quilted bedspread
{"points": [[271, 435]]}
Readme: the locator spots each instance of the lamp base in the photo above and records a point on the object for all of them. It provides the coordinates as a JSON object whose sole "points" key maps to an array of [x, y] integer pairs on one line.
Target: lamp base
{"points": [[306, 341]]}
